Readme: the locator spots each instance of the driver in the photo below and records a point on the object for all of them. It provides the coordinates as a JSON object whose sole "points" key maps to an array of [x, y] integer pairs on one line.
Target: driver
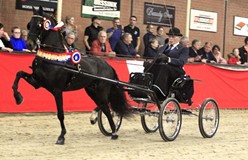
{"points": [[168, 66]]}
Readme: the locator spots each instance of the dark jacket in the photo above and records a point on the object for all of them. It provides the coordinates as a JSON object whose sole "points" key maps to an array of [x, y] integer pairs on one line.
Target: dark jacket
{"points": [[243, 55], [150, 52], [122, 49]]}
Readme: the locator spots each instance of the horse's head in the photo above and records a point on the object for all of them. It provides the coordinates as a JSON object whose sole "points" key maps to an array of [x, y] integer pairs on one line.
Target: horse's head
{"points": [[39, 26]]}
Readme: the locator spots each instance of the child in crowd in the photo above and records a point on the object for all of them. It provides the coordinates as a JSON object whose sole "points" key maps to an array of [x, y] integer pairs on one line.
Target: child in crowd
{"points": [[234, 58], [17, 42]]}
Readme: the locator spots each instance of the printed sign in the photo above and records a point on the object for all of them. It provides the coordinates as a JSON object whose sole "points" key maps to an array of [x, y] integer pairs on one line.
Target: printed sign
{"points": [[240, 26], [48, 5], [159, 14], [203, 20], [106, 9]]}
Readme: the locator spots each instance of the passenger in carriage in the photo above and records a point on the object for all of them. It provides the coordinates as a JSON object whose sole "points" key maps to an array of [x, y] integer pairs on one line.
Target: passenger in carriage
{"points": [[5, 44], [152, 50], [169, 65]]}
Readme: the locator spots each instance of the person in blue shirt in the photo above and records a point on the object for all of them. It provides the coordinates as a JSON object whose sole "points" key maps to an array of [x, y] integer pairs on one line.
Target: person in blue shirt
{"points": [[124, 47], [114, 33], [17, 42]]}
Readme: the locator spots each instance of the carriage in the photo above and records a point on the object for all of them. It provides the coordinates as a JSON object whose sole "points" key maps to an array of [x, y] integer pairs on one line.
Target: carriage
{"points": [[163, 113], [58, 71]]}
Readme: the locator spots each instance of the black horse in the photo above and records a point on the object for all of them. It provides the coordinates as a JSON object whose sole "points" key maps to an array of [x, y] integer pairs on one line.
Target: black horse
{"points": [[52, 75]]}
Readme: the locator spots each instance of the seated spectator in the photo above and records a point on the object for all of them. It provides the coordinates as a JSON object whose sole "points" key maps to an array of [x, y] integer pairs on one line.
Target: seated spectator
{"points": [[234, 58], [24, 35], [217, 54], [194, 55], [160, 34], [70, 42], [101, 47], [5, 44], [124, 47], [184, 41], [114, 33], [206, 52], [243, 52], [152, 50], [17, 42]]}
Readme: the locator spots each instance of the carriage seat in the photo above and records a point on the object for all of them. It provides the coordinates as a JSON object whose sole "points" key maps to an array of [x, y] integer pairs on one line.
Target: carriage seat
{"points": [[182, 88]]}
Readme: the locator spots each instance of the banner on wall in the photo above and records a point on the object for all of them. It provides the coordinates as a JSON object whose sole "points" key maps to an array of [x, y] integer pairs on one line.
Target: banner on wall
{"points": [[240, 26], [106, 9], [48, 5], [159, 14], [203, 20]]}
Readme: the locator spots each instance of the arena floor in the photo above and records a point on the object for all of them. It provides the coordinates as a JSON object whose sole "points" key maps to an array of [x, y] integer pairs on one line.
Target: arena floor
{"points": [[33, 135]]}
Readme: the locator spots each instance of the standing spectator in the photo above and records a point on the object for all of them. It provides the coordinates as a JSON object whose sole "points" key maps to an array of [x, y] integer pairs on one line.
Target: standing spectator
{"points": [[134, 31], [234, 58], [70, 26], [194, 54], [114, 33], [101, 47], [217, 55], [243, 51], [207, 55], [149, 35], [17, 42], [91, 32], [5, 43], [152, 50], [125, 47], [160, 34]]}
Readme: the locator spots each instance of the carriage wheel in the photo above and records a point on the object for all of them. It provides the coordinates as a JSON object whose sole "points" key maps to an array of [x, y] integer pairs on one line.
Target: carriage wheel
{"points": [[149, 118], [208, 118], [170, 119], [103, 122]]}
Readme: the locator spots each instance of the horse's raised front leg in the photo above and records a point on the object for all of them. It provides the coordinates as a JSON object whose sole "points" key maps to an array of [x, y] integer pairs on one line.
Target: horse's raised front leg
{"points": [[106, 111], [60, 114], [27, 77]]}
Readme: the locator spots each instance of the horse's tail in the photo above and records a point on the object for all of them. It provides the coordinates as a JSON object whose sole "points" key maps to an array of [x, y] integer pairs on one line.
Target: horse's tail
{"points": [[118, 99]]}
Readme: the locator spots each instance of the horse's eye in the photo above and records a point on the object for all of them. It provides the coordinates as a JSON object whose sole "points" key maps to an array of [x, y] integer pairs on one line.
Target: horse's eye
{"points": [[39, 25]]}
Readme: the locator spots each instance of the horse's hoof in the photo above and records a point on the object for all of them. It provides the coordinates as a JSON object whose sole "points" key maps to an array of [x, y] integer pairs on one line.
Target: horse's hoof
{"points": [[60, 141], [114, 137], [18, 98], [93, 121]]}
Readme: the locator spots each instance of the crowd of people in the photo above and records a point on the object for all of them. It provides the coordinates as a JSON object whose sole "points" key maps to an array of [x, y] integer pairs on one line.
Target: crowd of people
{"points": [[125, 41]]}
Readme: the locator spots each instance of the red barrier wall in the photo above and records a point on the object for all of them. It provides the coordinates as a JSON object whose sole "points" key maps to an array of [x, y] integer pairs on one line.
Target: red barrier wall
{"points": [[226, 86]]}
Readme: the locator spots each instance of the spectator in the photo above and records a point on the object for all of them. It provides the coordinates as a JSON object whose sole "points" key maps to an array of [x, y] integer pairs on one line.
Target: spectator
{"points": [[125, 47], [194, 55], [243, 51], [91, 32], [184, 41], [134, 31], [160, 34], [114, 33], [206, 52], [101, 47], [149, 35], [17, 42], [70, 26], [173, 61], [217, 54], [152, 50], [5, 44], [70, 42], [24, 35], [234, 58]]}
